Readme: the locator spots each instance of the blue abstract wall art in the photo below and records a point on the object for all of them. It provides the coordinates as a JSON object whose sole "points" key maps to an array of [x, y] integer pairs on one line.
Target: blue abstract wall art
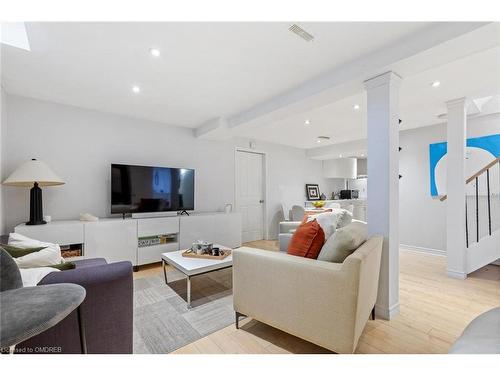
{"points": [[480, 150]]}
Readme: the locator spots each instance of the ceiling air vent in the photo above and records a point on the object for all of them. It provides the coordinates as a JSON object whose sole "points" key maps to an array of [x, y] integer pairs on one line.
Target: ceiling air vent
{"points": [[322, 138], [296, 29]]}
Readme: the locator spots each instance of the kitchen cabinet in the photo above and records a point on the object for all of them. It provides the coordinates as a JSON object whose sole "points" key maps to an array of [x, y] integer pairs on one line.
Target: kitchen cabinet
{"points": [[340, 168]]}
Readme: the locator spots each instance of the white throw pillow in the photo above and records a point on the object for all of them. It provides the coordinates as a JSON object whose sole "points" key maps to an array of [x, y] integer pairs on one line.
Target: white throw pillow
{"points": [[330, 221], [344, 242], [32, 276], [345, 217], [49, 256], [327, 221]]}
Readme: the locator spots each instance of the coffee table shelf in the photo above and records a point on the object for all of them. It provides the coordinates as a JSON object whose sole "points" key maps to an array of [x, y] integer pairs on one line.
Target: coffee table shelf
{"points": [[194, 266]]}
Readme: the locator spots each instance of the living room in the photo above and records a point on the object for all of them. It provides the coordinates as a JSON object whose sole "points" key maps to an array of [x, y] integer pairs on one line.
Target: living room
{"points": [[203, 187]]}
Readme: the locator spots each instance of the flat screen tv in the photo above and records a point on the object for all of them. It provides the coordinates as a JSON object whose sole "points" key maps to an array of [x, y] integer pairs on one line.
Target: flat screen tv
{"points": [[137, 189]]}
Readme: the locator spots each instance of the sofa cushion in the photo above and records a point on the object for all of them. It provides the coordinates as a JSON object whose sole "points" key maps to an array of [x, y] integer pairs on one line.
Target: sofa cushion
{"points": [[307, 240], [32, 276], [17, 252], [344, 242], [49, 255]]}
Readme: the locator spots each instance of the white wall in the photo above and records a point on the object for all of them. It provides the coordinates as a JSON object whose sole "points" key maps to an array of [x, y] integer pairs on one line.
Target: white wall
{"points": [[3, 115], [423, 219], [79, 145]]}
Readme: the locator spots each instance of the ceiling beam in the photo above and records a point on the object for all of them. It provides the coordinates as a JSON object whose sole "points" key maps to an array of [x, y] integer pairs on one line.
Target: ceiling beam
{"points": [[347, 79], [215, 129]]}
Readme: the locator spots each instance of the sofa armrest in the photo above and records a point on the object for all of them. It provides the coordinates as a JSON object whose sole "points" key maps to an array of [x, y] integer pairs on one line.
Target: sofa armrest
{"points": [[107, 311], [90, 276], [288, 226], [308, 298]]}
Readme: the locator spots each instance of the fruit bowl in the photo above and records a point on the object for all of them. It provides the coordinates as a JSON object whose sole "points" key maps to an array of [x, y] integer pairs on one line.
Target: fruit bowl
{"points": [[318, 204]]}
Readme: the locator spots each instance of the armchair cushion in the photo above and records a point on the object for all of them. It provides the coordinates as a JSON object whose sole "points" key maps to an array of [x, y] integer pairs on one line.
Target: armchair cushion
{"points": [[344, 242]]}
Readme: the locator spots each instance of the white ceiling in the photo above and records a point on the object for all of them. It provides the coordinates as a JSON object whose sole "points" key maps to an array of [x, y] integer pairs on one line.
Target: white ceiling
{"points": [[212, 70], [206, 70], [474, 76]]}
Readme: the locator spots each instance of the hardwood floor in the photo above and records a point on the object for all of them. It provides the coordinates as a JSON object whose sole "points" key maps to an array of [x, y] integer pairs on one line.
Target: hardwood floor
{"points": [[434, 311]]}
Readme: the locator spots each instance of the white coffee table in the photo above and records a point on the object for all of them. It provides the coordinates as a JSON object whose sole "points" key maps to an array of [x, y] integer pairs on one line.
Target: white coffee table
{"points": [[194, 266]]}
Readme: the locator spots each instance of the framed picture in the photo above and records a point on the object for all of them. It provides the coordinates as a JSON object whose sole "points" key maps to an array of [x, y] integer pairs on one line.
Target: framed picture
{"points": [[312, 191]]}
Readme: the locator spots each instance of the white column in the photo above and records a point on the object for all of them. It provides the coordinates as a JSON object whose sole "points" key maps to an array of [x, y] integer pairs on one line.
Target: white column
{"points": [[383, 184], [455, 188]]}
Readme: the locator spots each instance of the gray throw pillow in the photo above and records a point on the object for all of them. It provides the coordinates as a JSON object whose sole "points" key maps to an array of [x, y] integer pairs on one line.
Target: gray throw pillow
{"points": [[10, 276], [344, 242]]}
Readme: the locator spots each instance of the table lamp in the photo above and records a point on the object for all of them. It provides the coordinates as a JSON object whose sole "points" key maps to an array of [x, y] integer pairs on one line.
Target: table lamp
{"points": [[34, 173]]}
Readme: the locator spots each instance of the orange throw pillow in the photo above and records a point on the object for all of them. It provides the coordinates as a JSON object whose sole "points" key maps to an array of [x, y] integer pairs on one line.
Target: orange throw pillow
{"points": [[307, 240]]}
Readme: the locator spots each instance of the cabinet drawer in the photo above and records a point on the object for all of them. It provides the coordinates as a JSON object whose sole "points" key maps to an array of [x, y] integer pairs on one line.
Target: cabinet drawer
{"points": [[156, 226]]}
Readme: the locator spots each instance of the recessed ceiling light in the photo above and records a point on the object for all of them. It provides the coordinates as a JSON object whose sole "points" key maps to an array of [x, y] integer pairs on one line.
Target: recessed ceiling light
{"points": [[435, 84], [318, 141], [356, 107], [340, 155], [362, 154], [154, 52], [307, 122], [136, 89]]}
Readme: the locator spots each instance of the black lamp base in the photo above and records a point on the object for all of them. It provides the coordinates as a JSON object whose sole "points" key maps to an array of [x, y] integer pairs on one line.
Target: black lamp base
{"points": [[36, 222], [36, 209]]}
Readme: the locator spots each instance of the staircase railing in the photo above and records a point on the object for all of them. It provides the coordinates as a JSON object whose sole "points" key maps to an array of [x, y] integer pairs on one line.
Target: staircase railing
{"points": [[475, 177]]}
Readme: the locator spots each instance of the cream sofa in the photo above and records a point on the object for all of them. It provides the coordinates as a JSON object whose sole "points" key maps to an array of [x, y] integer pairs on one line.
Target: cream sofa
{"points": [[325, 303]]}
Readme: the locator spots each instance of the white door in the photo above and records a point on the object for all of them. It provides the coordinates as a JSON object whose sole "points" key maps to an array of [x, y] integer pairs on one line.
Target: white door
{"points": [[250, 194]]}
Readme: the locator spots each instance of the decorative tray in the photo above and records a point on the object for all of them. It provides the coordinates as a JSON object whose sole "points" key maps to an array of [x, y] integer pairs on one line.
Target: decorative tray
{"points": [[190, 254]]}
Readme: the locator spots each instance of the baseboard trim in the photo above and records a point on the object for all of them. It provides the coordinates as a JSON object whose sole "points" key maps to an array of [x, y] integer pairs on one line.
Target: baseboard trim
{"points": [[426, 250], [386, 313], [456, 274]]}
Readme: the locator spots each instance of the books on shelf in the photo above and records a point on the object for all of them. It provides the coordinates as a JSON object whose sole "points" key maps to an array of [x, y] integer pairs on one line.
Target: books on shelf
{"points": [[156, 240]]}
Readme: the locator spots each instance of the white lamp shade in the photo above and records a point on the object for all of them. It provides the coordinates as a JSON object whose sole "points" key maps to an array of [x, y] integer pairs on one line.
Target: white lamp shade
{"points": [[33, 171]]}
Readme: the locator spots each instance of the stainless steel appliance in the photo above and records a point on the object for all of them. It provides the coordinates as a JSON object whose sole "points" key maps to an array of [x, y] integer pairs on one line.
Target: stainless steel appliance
{"points": [[349, 194]]}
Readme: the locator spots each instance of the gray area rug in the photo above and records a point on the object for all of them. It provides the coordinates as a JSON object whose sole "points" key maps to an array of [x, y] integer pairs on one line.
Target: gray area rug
{"points": [[162, 321]]}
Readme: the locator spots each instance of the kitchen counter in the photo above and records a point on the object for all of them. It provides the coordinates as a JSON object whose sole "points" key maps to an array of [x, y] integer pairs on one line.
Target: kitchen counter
{"points": [[358, 209]]}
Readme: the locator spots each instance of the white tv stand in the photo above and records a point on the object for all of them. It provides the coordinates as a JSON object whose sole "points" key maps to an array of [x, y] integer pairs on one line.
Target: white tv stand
{"points": [[147, 215], [117, 239]]}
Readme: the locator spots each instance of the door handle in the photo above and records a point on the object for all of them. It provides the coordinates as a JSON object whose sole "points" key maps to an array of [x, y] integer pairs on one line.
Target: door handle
{"points": [[261, 201]]}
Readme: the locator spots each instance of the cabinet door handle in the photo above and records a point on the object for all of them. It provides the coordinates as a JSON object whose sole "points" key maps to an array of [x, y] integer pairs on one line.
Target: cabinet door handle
{"points": [[261, 201]]}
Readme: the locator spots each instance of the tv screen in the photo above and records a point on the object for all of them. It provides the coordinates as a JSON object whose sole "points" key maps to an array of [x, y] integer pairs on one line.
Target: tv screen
{"points": [[151, 189]]}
